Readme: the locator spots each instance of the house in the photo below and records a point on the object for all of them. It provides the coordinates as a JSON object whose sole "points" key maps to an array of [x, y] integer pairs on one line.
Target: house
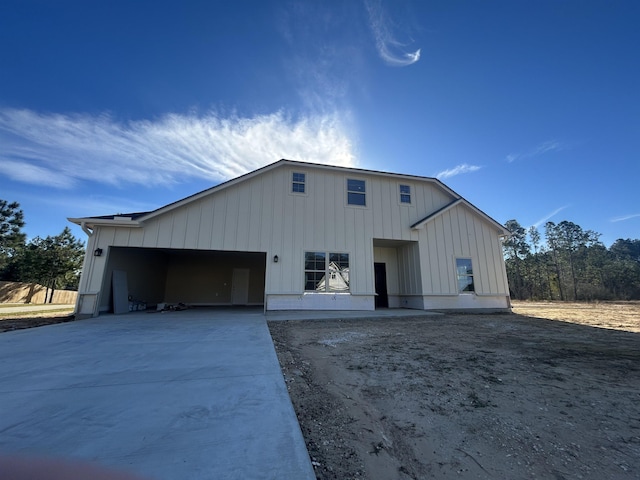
{"points": [[301, 236]]}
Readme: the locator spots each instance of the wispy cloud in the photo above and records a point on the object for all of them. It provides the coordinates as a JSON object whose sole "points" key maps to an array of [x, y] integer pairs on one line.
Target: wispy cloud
{"points": [[323, 59], [458, 170], [549, 216], [391, 50], [625, 217], [544, 147], [61, 150]]}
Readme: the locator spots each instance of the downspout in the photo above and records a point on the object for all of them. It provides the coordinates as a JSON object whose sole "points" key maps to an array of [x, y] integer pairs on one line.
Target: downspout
{"points": [[86, 229]]}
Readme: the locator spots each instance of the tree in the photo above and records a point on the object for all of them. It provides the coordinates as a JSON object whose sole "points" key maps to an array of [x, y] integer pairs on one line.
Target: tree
{"points": [[516, 250], [537, 262], [11, 236], [54, 262]]}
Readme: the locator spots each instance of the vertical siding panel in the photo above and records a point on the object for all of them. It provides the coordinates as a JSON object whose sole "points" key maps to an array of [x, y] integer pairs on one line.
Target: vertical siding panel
{"points": [[445, 220], [376, 207], [421, 200], [355, 267], [434, 267], [366, 241], [165, 230], [360, 251], [430, 204], [255, 216], [136, 237], [232, 217], [331, 229], [243, 217], [455, 232], [179, 228], [298, 243], [193, 225], [206, 223], [266, 214], [489, 242], [480, 256], [443, 260], [121, 236], [473, 244], [464, 233], [342, 215], [388, 226], [404, 212], [276, 232], [323, 226], [150, 233], [219, 220], [287, 234]]}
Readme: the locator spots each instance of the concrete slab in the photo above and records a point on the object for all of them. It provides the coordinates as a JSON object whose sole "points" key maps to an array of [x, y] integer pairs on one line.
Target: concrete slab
{"points": [[192, 394]]}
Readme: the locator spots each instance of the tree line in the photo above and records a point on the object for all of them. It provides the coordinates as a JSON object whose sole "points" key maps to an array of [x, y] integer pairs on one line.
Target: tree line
{"points": [[570, 263], [54, 262]]}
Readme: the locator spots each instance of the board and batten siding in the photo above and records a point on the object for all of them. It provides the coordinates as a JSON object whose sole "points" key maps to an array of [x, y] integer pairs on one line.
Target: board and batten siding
{"points": [[459, 233], [261, 214]]}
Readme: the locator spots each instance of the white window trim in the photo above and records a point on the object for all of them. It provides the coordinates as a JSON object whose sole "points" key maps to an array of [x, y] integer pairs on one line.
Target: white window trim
{"points": [[306, 183], [411, 194], [346, 193], [326, 266], [474, 274]]}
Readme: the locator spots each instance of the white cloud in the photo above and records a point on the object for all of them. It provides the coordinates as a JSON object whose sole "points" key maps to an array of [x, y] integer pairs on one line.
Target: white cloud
{"points": [[544, 147], [389, 48], [458, 170], [60, 150], [625, 217], [548, 216], [34, 174]]}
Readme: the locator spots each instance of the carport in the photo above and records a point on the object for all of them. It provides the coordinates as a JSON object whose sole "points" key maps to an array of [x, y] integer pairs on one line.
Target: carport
{"points": [[192, 277]]}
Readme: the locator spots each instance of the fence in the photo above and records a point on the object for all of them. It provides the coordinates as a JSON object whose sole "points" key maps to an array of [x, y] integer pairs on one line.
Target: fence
{"points": [[17, 292]]}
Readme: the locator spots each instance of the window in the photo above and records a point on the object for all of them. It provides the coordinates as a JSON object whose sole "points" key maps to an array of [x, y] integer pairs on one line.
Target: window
{"points": [[405, 194], [298, 183], [356, 194], [465, 275], [320, 266]]}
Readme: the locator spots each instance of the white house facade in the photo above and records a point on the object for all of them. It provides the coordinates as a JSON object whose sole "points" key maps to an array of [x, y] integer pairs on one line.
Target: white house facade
{"points": [[301, 236]]}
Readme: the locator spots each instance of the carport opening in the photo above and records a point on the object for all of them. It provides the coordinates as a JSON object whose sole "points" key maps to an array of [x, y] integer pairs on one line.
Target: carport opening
{"points": [[192, 277]]}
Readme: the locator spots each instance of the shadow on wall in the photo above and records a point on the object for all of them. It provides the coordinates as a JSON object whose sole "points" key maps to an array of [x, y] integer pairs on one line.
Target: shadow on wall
{"points": [[17, 292]]}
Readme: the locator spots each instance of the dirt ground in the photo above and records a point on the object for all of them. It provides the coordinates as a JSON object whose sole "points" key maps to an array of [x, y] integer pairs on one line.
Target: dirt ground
{"points": [[469, 396], [9, 323]]}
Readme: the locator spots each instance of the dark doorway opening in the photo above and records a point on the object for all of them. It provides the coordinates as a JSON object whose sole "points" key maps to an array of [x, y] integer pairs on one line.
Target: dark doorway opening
{"points": [[382, 300]]}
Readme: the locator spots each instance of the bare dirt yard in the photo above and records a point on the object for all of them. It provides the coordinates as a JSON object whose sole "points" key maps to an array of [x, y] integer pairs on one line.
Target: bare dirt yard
{"points": [[9, 323], [552, 391]]}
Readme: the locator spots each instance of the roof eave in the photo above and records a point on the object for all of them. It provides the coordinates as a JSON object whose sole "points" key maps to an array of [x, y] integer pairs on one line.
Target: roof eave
{"points": [[116, 222]]}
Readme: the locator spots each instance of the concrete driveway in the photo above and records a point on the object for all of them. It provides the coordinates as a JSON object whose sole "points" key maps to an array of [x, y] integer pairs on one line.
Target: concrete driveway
{"points": [[175, 395]]}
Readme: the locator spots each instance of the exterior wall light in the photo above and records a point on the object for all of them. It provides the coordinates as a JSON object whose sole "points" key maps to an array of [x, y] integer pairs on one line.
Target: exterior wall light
{"points": [[275, 259], [97, 252]]}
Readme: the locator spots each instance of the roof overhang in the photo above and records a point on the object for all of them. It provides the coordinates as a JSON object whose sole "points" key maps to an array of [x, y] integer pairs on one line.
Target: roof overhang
{"points": [[89, 223]]}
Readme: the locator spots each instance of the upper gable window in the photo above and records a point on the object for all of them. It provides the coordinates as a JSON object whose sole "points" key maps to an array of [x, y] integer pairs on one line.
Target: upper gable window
{"points": [[405, 194], [356, 192], [298, 184]]}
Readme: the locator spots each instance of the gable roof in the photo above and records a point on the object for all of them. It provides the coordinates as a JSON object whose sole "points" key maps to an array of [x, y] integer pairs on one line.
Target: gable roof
{"points": [[136, 219], [460, 201]]}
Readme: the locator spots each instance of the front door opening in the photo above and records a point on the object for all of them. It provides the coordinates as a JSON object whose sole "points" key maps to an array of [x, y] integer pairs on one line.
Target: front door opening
{"points": [[382, 300]]}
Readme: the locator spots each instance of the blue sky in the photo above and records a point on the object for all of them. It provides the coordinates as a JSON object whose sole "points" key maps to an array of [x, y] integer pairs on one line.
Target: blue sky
{"points": [[530, 110]]}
